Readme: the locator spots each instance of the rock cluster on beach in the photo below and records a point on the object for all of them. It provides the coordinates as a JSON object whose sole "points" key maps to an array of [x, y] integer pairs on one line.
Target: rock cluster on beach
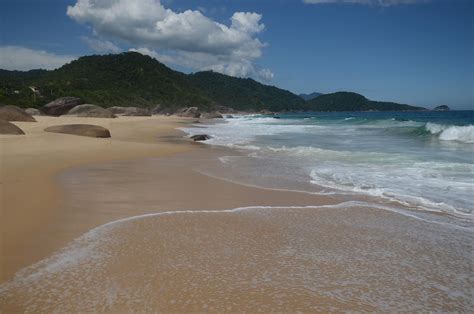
{"points": [[80, 129], [91, 111]]}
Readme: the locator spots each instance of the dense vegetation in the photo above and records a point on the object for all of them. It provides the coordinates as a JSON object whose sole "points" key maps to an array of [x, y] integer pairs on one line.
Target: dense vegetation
{"points": [[245, 94], [132, 79], [347, 101], [307, 97], [127, 79]]}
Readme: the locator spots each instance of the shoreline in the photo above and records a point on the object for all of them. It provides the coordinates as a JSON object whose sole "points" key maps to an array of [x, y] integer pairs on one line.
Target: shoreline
{"points": [[153, 233]]}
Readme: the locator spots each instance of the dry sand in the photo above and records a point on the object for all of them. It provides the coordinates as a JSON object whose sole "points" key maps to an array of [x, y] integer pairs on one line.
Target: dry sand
{"points": [[192, 251]]}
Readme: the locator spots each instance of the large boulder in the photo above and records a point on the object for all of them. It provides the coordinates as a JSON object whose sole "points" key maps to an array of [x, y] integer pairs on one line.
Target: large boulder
{"points": [[91, 111], [165, 110], [191, 112], [33, 112], [130, 111], [211, 115], [14, 113], [80, 129], [7, 127], [61, 105]]}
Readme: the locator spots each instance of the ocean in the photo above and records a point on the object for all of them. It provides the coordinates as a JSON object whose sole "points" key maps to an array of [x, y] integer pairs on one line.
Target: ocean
{"points": [[420, 160]]}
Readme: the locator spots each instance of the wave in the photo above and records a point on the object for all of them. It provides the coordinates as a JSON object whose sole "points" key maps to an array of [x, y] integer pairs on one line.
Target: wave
{"points": [[463, 134]]}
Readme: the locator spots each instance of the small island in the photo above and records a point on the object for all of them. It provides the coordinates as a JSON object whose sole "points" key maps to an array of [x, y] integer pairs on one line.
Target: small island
{"points": [[442, 108]]}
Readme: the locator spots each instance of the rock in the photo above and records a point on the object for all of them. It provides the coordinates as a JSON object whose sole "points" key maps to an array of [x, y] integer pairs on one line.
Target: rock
{"points": [[191, 112], [442, 108], [14, 113], [130, 111], [91, 111], [7, 127], [200, 137], [80, 129], [211, 115], [61, 105], [33, 112]]}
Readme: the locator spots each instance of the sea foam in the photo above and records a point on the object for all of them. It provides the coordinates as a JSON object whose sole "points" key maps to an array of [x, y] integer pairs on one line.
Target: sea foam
{"points": [[464, 134]]}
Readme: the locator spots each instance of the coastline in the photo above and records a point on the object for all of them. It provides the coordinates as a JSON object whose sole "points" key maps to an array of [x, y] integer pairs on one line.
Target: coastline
{"points": [[140, 228]]}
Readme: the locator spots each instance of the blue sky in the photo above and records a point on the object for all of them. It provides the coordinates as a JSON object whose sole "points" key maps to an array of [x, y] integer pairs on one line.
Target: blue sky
{"points": [[419, 52]]}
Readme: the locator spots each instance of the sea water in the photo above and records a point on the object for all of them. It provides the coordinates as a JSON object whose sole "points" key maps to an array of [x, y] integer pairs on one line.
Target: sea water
{"points": [[419, 159]]}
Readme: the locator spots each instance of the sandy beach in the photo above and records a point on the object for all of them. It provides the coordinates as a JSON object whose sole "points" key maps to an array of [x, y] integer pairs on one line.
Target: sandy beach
{"points": [[131, 224], [30, 196]]}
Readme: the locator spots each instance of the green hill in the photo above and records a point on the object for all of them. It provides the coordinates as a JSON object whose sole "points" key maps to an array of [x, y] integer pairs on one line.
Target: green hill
{"points": [[245, 94], [348, 101], [132, 79], [127, 79]]}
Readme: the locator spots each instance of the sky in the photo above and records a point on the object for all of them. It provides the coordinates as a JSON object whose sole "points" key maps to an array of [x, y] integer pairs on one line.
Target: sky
{"points": [[419, 52]]}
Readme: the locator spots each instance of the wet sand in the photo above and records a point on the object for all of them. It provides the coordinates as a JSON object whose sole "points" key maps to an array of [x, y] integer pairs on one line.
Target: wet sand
{"points": [[157, 235]]}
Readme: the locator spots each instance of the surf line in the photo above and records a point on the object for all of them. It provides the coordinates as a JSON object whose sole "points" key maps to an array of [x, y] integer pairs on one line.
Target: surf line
{"points": [[88, 241]]}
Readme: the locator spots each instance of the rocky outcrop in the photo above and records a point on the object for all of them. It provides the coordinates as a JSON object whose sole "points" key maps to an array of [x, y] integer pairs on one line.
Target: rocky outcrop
{"points": [[61, 105], [14, 113], [91, 111], [200, 137], [442, 108], [33, 112], [211, 115], [9, 128], [80, 129], [191, 112], [130, 111]]}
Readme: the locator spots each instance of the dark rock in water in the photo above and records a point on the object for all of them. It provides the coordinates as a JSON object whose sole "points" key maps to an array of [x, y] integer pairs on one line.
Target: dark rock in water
{"points": [[33, 112], [14, 113], [91, 111], [61, 105], [130, 111], [9, 128], [80, 129], [229, 116], [211, 115], [200, 137], [277, 117], [442, 108], [191, 112]]}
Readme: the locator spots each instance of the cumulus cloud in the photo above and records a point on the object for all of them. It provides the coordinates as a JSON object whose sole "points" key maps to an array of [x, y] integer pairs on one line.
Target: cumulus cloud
{"points": [[23, 59], [101, 46], [187, 38], [384, 3]]}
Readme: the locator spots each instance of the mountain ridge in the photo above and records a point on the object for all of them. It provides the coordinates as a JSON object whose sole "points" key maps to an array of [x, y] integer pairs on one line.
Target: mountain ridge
{"points": [[133, 79]]}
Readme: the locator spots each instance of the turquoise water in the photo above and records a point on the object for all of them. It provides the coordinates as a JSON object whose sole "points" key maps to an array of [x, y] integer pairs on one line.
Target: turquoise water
{"points": [[420, 159]]}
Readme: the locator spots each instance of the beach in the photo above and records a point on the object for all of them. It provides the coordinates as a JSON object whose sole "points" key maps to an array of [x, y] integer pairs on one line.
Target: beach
{"points": [[148, 221]]}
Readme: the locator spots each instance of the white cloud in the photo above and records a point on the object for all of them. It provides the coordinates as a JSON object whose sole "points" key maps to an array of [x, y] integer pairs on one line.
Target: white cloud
{"points": [[384, 3], [187, 38], [101, 46], [23, 59]]}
